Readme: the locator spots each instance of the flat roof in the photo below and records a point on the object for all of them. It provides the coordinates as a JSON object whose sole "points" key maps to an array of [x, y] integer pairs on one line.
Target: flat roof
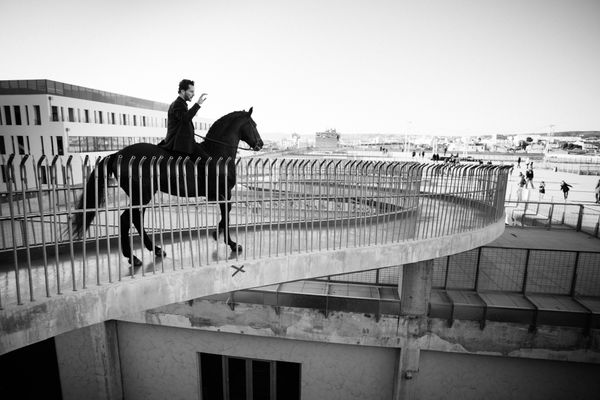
{"points": [[46, 86]]}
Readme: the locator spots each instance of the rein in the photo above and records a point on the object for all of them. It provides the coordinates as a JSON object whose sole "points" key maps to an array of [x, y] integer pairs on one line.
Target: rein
{"points": [[223, 143]]}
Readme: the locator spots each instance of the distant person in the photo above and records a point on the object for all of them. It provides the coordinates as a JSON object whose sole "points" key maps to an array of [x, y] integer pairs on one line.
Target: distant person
{"points": [[564, 186], [597, 191], [414, 153], [520, 185], [529, 176], [542, 190], [519, 162], [180, 128]]}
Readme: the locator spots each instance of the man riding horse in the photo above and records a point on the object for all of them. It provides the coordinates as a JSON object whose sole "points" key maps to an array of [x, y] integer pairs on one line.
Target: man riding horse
{"points": [[180, 128], [142, 169]]}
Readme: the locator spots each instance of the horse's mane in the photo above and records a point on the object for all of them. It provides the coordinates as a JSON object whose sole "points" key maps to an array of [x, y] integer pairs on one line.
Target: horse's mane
{"points": [[223, 123]]}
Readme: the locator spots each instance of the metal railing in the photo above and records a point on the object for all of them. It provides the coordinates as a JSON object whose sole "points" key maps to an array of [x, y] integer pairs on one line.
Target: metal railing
{"points": [[278, 208], [502, 269], [581, 217], [540, 271]]}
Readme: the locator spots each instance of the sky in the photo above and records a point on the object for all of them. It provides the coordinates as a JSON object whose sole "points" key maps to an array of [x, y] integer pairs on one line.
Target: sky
{"points": [[442, 67]]}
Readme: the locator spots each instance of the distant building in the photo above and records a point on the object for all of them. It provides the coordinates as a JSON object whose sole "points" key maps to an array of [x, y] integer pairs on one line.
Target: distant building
{"points": [[45, 117], [54, 118], [329, 139]]}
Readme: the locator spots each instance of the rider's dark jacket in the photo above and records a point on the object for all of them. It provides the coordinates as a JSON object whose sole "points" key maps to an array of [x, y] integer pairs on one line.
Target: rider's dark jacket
{"points": [[180, 128]]}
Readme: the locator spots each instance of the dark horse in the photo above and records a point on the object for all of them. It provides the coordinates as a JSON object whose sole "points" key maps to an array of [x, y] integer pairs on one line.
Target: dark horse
{"points": [[167, 175]]}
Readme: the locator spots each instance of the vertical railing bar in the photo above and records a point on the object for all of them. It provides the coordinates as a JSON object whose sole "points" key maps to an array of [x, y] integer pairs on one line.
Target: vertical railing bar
{"points": [[206, 204], [161, 214], [153, 214], [170, 208], [186, 161], [11, 181], [69, 172], [196, 207], [130, 222], [119, 220], [107, 225], [41, 161], [140, 213]]}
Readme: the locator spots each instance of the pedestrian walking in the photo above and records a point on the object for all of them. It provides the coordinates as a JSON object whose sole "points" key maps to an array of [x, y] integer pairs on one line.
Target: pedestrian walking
{"points": [[519, 162], [565, 187], [520, 185], [529, 176], [542, 190]]}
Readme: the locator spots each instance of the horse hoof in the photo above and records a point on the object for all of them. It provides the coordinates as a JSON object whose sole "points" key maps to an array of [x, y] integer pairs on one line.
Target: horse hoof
{"points": [[236, 248], [135, 262], [160, 253]]}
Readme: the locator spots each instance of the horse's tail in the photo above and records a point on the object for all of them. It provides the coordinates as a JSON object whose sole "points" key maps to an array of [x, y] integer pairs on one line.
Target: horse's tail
{"points": [[92, 192]]}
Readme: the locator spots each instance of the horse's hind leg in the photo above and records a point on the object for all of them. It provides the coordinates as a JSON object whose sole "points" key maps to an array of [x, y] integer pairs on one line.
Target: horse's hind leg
{"points": [[137, 215], [125, 245], [138, 222]]}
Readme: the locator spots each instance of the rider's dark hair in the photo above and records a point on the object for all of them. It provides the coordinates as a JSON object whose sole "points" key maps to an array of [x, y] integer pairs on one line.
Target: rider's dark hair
{"points": [[185, 84]]}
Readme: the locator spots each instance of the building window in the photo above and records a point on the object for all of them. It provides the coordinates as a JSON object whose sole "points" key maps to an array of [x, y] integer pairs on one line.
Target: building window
{"points": [[28, 145], [21, 144], [2, 145], [43, 149], [143, 120], [225, 377], [135, 120], [7, 115], [4, 176], [79, 115], [86, 116], [100, 117], [55, 113], [59, 145], [52, 145], [0, 116], [112, 119], [62, 114], [27, 114], [43, 175], [71, 114], [17, 115], [74, 144], [37, 115], [12, 139]]}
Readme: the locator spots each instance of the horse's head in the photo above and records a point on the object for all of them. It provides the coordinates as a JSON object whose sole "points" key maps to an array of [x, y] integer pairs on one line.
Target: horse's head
{"points": [[249, 133]]}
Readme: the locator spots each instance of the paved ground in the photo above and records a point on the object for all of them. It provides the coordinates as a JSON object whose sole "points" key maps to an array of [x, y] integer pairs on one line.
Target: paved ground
{"points": [[581, 192], [554, 239]]}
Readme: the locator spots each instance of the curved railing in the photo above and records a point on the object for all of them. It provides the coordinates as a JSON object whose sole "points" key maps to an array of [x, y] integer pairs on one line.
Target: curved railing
{"points": [[279, 208]]}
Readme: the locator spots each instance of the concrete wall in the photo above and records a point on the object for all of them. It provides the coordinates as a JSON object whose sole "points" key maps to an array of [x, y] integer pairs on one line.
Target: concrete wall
{"points": [[466, 376], [159, 362], [35, 321]]}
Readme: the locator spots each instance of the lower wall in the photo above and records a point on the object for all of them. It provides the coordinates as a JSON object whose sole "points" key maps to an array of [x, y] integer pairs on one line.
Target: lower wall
{"points": [[159, 362], [467, 376]]}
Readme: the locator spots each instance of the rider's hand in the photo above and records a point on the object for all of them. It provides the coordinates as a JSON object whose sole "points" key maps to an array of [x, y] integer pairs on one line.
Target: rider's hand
{"points": [[202, 98]]}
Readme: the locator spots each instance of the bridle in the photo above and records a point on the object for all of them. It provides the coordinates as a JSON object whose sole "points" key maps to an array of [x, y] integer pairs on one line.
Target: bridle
{"points": [[223, 143]]}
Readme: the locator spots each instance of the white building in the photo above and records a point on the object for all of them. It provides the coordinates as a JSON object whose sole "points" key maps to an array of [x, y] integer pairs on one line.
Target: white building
{"points": [[45, 117]]}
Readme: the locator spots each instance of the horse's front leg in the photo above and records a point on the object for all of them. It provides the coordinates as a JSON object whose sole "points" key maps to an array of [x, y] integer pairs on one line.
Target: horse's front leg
{"points": [[224, 227]]}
